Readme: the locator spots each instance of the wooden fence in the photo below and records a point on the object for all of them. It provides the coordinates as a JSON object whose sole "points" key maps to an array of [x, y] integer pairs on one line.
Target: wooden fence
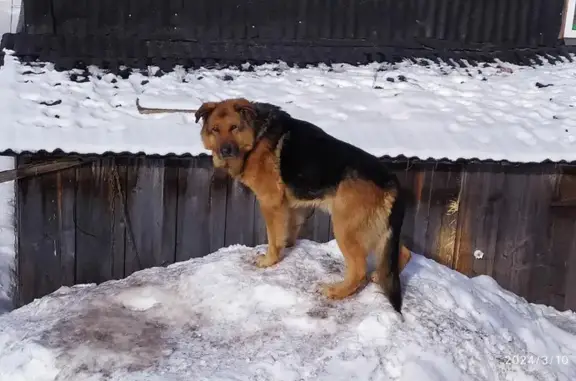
{"points": [[137, 33], [116, 215]]}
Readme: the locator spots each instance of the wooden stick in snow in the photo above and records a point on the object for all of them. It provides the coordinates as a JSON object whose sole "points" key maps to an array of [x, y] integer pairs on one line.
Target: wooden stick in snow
{"points": [[148, 110]]}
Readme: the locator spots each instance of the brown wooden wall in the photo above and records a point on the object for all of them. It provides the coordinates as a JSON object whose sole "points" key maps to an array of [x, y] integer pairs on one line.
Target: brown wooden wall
{"points": [[73, 224]]}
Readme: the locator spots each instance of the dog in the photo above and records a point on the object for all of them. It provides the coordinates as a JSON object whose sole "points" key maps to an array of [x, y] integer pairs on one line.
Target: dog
{"points": [[292, 165]]}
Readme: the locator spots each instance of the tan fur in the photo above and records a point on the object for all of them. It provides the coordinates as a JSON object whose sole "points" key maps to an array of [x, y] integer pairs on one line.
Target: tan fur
{"points": [[359, 209]]}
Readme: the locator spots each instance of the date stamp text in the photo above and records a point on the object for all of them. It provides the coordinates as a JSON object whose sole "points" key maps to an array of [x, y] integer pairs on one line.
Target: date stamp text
{"points": [[537, 360]]}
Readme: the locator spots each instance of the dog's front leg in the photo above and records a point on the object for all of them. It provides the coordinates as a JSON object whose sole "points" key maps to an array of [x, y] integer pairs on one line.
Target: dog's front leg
{"points": [[276, 218]]}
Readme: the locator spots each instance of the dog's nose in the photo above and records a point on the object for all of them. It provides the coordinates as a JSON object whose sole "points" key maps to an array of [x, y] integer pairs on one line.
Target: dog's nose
{"points": [[229, 150]]}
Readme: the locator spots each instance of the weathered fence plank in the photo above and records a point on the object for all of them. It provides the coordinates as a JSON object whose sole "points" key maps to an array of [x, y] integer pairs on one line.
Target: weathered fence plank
{"points": [[512, 239], [423, 187], [483, 208], [45, 244], [239, 215], [542, 193], [193, 233], [446, 193], [260, 235], [151, 202], [570, 266], [99, 222], [66, 211], [562, 262]]}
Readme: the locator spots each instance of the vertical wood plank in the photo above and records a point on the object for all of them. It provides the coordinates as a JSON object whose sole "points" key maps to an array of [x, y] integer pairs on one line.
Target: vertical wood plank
{"points": [[46, 249], [562, 263], [33, 247], [465, 228], [408, 180], [570, 267], [540, 230], [66, 209], [239, 214], [563, 258], [511, 240], [524, 228], [151, 202], [218, 195], [260, 234], [423, 180], [99, 225], [320, 226], [193, 235], [481, 203], [201, 226], [446, 190]]}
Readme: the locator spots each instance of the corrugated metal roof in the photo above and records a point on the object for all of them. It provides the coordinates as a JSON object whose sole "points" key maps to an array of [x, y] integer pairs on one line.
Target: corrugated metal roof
{"points": [[497, 112]]}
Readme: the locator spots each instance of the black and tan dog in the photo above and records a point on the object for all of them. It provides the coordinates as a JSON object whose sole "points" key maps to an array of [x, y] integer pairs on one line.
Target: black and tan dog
{"points": [[290, 165]]}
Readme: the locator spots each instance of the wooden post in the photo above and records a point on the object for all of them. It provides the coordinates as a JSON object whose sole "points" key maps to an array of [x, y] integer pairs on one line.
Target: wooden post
{"points": [[564, 15]]}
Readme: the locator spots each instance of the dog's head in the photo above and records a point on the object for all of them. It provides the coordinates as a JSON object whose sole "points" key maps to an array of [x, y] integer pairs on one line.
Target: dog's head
{"points": [[228, 129]]}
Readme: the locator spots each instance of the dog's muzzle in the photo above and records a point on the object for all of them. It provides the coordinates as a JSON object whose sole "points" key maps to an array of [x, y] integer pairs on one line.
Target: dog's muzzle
{"points": [[229, 150]]}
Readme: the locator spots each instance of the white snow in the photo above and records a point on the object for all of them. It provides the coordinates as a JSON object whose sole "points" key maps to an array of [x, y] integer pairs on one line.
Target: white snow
{"points": [[495, 112], [221, 318]]}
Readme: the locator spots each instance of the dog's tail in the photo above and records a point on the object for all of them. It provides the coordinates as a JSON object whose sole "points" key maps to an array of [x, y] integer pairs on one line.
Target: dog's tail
{"points": [[388, 269]]}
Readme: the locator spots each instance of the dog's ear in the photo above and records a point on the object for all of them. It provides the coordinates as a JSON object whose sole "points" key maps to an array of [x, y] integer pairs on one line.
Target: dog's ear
{"points": [[205, 110], [245, 108]]}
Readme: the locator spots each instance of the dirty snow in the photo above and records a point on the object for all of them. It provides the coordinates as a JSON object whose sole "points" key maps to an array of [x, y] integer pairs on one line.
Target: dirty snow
{"points": [[500, 112], [221, 318]]}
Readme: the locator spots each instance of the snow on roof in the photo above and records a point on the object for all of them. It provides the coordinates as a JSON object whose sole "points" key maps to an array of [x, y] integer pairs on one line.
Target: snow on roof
{"points": [[221, 318], [497, 112]]}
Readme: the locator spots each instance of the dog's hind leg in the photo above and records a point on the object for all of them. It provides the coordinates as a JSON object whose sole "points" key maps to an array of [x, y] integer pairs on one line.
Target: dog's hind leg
{"points": [[351, 215], [355, 254]]}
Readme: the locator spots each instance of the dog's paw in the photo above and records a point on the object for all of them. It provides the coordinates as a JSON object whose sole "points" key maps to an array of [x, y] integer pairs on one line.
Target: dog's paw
{"points": [[264, 261], [334, 291]]}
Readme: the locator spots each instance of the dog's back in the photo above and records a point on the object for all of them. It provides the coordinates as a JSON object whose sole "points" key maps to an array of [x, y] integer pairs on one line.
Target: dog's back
{"points": [[315, 161]]}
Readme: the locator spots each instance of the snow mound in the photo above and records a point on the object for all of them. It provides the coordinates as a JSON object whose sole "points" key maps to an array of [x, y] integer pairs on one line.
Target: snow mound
{"points": [[221, 318]]}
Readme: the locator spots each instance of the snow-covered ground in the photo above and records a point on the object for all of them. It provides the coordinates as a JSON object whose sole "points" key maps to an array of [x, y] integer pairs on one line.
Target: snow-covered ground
{"points": [[500, 112], [221, 318]]}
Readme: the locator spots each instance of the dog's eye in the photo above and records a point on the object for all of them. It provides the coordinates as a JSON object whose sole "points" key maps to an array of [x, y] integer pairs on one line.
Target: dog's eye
{"points": [[215, 130], [233, 127]]}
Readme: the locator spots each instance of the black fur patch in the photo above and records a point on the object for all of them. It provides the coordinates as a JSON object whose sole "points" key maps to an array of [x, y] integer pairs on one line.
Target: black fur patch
{"points": [[312, 162]]}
